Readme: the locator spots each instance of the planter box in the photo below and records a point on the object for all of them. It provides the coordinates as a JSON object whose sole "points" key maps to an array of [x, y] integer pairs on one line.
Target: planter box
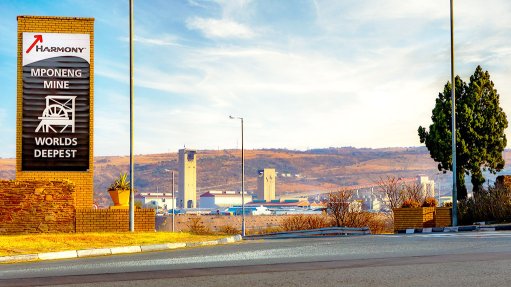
{"points": [[413, 218], [443, 216], [121, 197]]}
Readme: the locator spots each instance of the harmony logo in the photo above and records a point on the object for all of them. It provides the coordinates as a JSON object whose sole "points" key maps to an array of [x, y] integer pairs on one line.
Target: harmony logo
{"points": [[41, 48]]}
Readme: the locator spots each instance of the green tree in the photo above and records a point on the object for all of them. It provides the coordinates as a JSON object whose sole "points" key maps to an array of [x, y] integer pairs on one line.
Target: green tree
{"points": [[480, 125]]}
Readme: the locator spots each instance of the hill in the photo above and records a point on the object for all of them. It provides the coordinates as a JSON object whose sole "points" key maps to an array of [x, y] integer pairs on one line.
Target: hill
{"points": [[300, 172]]}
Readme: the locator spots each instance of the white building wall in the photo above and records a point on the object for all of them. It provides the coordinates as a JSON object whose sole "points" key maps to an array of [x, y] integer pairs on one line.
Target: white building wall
{"points": [[219, 201], [162, 202], [207, 202], [225, 201]]}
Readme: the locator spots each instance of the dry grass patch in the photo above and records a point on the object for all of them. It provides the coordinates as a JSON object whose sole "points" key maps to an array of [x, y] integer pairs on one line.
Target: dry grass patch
{"points": [[38, 243]]}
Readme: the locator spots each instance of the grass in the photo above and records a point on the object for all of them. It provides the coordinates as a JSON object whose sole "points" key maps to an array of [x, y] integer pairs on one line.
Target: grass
{"points": [[39, 243]]}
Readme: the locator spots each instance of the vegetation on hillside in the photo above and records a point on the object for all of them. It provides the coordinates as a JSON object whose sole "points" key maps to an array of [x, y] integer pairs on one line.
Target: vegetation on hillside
{"points": [[319, 170]]}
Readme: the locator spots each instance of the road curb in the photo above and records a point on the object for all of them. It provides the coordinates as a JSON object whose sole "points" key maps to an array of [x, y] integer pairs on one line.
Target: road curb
{"points": [[69, 254], [94, 252], [126, 249], [160, 247], [18, 258], [456, 229], [58, 255]]}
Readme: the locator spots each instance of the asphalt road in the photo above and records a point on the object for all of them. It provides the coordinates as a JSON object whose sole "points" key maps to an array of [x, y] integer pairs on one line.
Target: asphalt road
{"points": [[462, 259]]}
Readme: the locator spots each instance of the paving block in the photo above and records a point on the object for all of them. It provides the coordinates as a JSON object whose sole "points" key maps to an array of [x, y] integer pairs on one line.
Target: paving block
{"points": [[226, 240], [165, 246], [94, 252], [125, 249], [193, 244], [212, 242], [451, 229], [57, 255], [18, 258], [486, 229]]}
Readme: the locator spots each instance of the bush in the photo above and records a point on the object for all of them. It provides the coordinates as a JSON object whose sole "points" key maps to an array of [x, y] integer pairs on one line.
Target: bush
{"points": [[196, 226], [305, 222], [429, 202], [410, 203], [378, 223], [266, 230], [493, 204], [229, 229]]}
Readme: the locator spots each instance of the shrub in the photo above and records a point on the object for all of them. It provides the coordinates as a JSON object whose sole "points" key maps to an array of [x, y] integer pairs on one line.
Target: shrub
{"points": [[305, 222], [410, 203], [378, 223], [229, 229], [429, 202], [196, 226], [266, 230], [493, 204], [121, 183]]}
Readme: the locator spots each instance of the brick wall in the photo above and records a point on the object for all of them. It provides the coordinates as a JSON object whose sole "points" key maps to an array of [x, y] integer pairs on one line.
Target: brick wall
{"points": [[215, 222], [443, 216], [36, 207], [113, 220], [83, 180], [405, 218]]}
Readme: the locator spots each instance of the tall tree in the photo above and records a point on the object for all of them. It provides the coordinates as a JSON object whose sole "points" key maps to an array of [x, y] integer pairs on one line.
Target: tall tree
{"points": [[480, 125]]}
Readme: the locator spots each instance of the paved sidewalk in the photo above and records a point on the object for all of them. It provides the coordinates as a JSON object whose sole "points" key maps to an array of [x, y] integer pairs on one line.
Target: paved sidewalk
{"points": [[114, 250]]}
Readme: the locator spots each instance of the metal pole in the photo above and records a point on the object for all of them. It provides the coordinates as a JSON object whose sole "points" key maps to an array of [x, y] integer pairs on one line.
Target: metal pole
{"points": [[173, 202], [242, 178], [242, 183], [132, 162], [453, 101]]}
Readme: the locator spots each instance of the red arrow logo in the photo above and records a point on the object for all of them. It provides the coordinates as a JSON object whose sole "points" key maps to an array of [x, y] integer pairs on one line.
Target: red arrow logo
{"points": [[38, 38]]}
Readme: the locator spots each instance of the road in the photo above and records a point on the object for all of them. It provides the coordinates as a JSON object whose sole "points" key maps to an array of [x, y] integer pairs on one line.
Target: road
{"points": [[445, 259]]}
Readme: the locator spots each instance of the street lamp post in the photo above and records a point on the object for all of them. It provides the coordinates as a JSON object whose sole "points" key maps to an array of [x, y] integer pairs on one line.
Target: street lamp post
{"points": [[453, 124], [157, 200], [173, 200], [242, 178], [173, 203], [132, 161]]}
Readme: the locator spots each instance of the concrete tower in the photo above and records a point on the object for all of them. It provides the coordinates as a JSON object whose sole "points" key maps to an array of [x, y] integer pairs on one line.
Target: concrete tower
{"points": [[266, 184], [427, 185], [187, 196]]}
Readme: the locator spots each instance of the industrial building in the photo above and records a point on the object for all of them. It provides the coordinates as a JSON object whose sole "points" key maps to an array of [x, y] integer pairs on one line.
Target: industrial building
{"points": [[163, 201], [220, 199]]}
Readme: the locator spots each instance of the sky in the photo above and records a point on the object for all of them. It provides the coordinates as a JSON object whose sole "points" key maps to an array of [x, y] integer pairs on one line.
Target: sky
{"points": [[302, 73]]}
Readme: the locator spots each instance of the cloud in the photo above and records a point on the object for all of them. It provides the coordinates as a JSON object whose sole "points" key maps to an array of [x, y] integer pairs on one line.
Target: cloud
{"points": [[162, 40], [220, 28], [314, 74]]}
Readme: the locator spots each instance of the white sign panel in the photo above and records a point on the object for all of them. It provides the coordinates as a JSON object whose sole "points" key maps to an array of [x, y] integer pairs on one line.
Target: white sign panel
{"points": [[39, 46]]}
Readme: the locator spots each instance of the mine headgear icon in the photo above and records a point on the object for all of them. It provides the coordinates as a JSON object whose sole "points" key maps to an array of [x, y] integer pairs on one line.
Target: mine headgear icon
{"points": [[59, 112]]}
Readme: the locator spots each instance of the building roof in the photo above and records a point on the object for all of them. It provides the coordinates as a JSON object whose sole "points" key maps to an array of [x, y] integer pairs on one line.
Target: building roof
{"points": [[154, 194], [217, 193], [275, 204]]}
